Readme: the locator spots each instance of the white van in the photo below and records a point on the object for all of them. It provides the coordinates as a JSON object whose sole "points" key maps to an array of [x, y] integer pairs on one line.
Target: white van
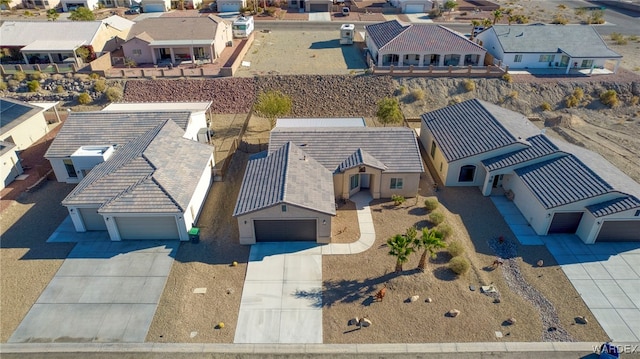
{"points": [[243, 26]]}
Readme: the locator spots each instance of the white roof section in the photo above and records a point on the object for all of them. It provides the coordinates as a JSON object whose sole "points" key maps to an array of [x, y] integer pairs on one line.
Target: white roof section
{"points": [[50, 45], [321, 122], [45, 105], [23, 33], [158, 106], [118, 23]]}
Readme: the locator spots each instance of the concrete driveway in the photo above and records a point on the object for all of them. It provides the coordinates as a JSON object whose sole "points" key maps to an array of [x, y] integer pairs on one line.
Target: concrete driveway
{"points": [[607, 275], [103, 292]]}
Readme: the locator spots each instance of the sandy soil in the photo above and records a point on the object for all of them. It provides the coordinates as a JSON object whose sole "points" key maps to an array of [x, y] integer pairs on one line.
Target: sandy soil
{"points": [[343, 229]]}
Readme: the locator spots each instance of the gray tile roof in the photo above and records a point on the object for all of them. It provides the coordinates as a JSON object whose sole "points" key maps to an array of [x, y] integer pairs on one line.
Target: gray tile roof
{"points": [[561, 181], [474, 126], [108, 128], [22, 33], [358, 158], [614, 206], [395, 147], [420, 38], [13, 113], [177, 28], [287, 175], [155, 173], [576, 41], [538, 146]]}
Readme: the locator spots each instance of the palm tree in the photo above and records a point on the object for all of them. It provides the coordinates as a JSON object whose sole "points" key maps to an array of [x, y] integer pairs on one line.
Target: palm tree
{"points": [[474, 23], [401, 248], [430, 241], [497, 15], [486, 23]]}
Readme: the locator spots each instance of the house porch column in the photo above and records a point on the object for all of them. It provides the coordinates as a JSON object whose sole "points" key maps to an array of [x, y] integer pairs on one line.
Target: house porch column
{"points": [[488, 183], [192, 54], [173, 55], [112, 228], [421, 60], [153, 56], [400, 60], [26, 60], [441, 60], [615, 69], [568, 66]]}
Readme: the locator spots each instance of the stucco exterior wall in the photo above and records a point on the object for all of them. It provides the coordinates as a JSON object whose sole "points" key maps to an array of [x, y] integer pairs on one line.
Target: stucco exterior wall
{"points": [[527, 203], [145, 56], [489, 41], [61, 172], [223, 35], [28, 132], [373, 49], [10, 167], [192, 211], [410, 184], [247, 230]]}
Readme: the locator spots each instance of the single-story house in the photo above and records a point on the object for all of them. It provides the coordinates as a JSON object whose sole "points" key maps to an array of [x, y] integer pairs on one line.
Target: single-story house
{"points": [[321, 122], [36, 4], [11, 167], [21, 123], [547, 46], [558, 187], [288, 192], [151, 188], [414, 6], [231, 5], [89, 138], [177, 39], [421, 45], [311, 5], [43, 42]]}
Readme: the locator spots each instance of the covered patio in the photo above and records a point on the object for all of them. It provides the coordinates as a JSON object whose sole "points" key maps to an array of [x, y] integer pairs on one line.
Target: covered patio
{"points": [[44, 52], [178, 52]]}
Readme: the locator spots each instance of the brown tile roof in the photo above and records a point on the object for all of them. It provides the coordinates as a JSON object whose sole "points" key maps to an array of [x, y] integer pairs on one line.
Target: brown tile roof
{"points": [[177, 28]]}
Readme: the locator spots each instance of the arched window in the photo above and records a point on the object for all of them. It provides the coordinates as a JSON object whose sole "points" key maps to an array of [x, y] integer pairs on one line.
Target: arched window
{"points": [[467, 173]]}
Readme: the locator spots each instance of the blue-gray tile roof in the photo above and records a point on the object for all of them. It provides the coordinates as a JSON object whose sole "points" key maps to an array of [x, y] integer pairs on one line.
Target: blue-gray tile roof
{"points": [[420, 38], [395, 147], [614, 206], [287, 175], [563, 180], [358, 158], [538, 146], [154, 173]]}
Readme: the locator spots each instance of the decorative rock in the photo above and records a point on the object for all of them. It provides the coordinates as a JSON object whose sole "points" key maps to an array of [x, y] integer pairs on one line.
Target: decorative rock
{"points": [[511, 321], [354, 321], [497, 300], [453, 313], [365, 322], [234, 264], [229, 291], [414, 298], [581, 320], [220, 325], [540, 263], [428, 300], [472, 287]]}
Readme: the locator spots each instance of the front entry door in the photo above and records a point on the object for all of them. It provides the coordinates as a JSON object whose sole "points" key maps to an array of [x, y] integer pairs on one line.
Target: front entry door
{"points": [[565, 61], [365, 179]]}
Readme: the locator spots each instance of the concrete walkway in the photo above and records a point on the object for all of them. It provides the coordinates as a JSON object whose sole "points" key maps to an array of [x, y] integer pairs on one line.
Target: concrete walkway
{"points": [[282, 294], [607, 275], [320, 16]]}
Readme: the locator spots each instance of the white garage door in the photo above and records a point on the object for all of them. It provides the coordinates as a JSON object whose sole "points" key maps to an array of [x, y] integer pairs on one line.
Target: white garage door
{"points": [[154, 8], [143, 228], [228, 7], [414, 9], [92, 220], [619, 231]]}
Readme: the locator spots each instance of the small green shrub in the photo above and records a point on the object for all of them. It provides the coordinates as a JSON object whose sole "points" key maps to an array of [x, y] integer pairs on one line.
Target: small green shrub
{"points": [[431, 203], [3, 85], [397, 200], [633, 102], [545, 106], [114, 94], [455, 249], [402, 90], [507, 77], [37, 75], [578, 93], [417, 94], [59, 89], [459, 265], [609, 98], [84, 98], [436, 217], [94, 76], [19, 76], [469, 85], [571, 101], [559, 20], [100, 85], [33, 85], [445, 230]]}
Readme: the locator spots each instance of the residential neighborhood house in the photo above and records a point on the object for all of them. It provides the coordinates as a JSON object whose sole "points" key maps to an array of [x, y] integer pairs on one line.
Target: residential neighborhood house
{"points": [[558, 187], [11, 167], [21, 123], [311, 5], [547, 46], [173, 40], [414, 6], [44, 42], [289, 192], [421, 45]]}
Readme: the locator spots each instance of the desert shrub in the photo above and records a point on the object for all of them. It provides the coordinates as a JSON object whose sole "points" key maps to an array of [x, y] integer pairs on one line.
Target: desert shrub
{"points": [[37, 75], [270, 11], [459, 265], [113, 94], [559, 20], [507, 77], [513, 94], [580, 11], [84, 98], [436, 217], [3, 85], [571, 101], [455, 249], [632, 38], [129, 62], [545, 106], [59, 89], [14, 83], [100, 85], [469, 85], [596, 17], [57, 77], [445, 230], [634, 100], [33, 85], [417, 94], [562, 6], [578, 92], [19, 76], [94, 76], [435, 13], [618, 38], [431, 203], [609, 98], [397, 200], [455, 100], [402, 90]]}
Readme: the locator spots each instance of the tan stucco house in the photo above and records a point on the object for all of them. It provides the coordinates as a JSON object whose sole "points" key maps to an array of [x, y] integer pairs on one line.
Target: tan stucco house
{"points": [[21, 123], [558, 187]]}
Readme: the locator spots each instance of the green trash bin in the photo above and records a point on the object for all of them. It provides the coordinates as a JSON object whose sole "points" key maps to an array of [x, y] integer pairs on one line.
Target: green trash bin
{"points": [[194, 234]]}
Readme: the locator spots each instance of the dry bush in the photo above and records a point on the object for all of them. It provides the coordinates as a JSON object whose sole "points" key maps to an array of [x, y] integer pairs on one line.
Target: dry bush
{"points": [[436, 218], [507, 77], [455, 248], [459, 265], [417, 94], [19, 76], [469, 85], [100, 85], [431, 203], [84, 98], [445, 230], [114, 94], [545, 106], [609, 98]]}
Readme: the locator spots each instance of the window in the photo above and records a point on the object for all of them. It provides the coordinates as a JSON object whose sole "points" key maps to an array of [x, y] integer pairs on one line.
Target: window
{"points": [[546, 58], [587, 63], [71, 170], [440, 166], [136, 52], [355, 182], [433, 149], [517, 58], [284, 207], [396, 183], [467, 173]]}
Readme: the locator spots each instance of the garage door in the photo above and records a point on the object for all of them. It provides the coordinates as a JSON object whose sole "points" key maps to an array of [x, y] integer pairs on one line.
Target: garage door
{"points": [[228, 7], [285, 231], [142, 228], [92, 220], [319, 8], [414, 9], [565, 222], [619, 231], [154, 8]]}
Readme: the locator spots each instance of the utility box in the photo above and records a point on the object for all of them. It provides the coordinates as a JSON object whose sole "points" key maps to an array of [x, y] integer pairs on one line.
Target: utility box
{"points": [[194, 234], [347, 32]]}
